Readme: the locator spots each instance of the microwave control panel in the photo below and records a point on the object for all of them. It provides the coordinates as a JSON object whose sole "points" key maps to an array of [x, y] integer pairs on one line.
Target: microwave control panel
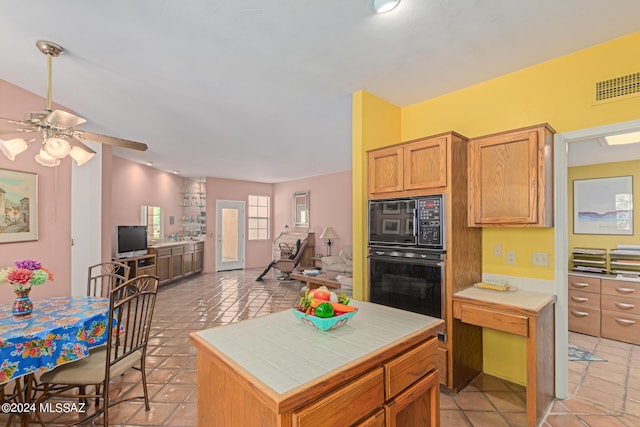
{"points": [[430, 222]]}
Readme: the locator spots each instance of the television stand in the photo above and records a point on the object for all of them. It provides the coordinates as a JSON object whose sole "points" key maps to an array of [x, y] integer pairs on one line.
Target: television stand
{"points": [[140, 265]]}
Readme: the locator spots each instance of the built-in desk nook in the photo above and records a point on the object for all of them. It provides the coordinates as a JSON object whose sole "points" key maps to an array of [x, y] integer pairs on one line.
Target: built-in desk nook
{"points": [[524, 313]]}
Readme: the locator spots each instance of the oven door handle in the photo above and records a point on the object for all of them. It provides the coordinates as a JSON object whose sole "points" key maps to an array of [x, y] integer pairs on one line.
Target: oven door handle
{"points": [[381, 255]]}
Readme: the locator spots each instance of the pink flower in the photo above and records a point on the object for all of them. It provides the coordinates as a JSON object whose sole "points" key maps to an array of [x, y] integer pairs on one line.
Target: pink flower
{"points": [[20, 276]]}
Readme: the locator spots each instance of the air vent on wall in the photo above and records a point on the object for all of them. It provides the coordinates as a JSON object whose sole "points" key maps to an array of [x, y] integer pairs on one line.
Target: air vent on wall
{"points": [[620, 86]]}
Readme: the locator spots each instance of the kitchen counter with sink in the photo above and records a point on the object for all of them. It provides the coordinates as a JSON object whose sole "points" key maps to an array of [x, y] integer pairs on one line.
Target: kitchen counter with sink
{"points": [[278, 371]]}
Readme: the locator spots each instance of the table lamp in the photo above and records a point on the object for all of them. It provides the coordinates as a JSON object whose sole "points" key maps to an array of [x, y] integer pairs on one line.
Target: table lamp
{"points": [[329, 235]]}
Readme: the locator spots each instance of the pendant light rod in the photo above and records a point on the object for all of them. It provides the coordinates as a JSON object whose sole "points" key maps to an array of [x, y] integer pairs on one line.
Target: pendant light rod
{"points": [[50, 49]]}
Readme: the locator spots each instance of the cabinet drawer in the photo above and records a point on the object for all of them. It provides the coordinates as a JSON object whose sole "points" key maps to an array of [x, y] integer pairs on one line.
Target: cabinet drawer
{"points": [[622, 288], [346, 405], [584, 319], [621, 304], [408, 368], [498, 320], [581, 299], [621, 326], [585, 284], [163, 252], [177, 250]]}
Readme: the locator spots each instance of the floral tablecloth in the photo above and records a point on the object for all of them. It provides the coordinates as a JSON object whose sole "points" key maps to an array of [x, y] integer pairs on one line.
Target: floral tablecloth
{"points": [[60, 330]]}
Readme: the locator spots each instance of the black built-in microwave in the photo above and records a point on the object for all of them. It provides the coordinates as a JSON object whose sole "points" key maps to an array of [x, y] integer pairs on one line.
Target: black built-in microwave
{"points": [[416, 221]]}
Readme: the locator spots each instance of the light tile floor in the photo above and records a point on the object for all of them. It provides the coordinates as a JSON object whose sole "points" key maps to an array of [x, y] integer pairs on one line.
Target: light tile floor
{"points": [[602, 393]]}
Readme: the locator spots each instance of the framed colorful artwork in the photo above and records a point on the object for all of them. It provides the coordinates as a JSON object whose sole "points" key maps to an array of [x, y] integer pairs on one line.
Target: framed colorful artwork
{"points": [[603, 205], [18, 206]]}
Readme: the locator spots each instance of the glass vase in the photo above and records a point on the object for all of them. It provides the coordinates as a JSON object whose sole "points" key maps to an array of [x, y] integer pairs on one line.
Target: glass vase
{"points": [[22, 305]]}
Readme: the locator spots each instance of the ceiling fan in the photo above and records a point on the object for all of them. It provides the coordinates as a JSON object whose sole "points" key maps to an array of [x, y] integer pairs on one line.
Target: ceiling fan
{"points": [[56, 129]]}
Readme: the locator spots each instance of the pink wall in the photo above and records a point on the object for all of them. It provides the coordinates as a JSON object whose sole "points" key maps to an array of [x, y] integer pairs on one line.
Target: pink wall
{"points": [[257, 252], [134, 185], [53, 247], [329, 205]]}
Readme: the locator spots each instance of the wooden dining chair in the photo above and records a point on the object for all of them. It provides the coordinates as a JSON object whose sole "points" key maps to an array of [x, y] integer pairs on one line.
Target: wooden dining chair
{"points": [[130, 313], [105, 276]]}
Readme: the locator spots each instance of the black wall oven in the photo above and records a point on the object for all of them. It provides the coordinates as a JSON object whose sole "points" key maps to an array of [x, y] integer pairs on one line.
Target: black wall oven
{"points": [[408, 279], [407, 254]]}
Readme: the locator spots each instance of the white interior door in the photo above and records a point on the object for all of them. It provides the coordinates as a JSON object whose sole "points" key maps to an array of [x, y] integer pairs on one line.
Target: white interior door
{"points": [[230, 225]]}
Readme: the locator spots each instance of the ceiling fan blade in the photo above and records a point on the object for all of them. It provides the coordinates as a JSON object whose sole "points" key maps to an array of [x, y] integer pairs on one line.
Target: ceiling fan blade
{"points": [[14, 121], [111, 140], [64, 119]]}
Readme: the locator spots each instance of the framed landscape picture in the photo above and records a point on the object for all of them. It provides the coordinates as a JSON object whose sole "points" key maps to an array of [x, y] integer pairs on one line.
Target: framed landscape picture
{"points": [[18, 206], [603, 205]]}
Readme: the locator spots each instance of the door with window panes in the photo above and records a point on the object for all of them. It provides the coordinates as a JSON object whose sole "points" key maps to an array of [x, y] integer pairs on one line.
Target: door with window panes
{"points": [[230, 235]]}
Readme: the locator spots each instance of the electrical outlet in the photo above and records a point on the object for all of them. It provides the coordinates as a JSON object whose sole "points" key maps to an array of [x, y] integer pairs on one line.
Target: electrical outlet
{"points": [[511, 257], [540, 259], [497, 251]]}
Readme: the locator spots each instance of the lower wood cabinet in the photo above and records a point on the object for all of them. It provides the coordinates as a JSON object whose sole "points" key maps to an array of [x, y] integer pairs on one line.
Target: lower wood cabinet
{"points": [[605, 307], [419, 405], [141, 265], [398, 388], [177, 261]]}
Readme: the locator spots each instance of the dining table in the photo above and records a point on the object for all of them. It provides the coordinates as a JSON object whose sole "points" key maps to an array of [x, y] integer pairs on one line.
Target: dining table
{"points": [[59, 330]]}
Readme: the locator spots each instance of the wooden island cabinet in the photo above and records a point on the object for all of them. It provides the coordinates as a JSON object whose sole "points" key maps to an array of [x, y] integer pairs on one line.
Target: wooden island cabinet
{"points": [[178, 260], [379, 369]]}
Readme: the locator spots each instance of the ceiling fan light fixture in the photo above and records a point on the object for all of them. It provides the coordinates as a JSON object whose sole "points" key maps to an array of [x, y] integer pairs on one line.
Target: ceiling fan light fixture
{"points": [[81, 154], [46, 160], [57, 147], [383, 6], [13, 147]]}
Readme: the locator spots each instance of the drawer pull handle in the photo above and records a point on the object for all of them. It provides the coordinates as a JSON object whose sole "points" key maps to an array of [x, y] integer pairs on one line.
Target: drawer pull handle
{"points": [[580, 284], [625, 322], [580, 299], [625, 305], [579, 313], [625, 290]]}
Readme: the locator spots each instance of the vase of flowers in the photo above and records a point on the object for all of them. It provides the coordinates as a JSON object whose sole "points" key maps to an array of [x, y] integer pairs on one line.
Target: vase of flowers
{"points": [[23, 276]]}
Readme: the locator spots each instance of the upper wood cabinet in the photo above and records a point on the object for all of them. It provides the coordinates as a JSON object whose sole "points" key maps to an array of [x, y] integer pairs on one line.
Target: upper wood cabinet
{"points": [[511, 178], [414, 165], [386, 170]]}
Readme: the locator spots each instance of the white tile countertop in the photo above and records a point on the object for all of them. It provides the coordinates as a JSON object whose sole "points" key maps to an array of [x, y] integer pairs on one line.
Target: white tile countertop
{"points": [[520, 298], [284, 353]]}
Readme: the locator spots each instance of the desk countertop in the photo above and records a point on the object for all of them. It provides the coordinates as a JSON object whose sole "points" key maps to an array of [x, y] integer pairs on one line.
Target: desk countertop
{"points": [[284, 353], [522, 299]]}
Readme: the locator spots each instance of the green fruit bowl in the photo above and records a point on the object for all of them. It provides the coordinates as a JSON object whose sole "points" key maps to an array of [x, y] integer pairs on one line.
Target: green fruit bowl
{"points": [[323, 323]]}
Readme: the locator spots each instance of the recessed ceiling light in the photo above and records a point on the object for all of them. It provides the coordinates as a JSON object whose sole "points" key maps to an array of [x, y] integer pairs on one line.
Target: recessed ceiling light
{"points": [[622, 138], [148, 163], [383, 6], [175, 172]]}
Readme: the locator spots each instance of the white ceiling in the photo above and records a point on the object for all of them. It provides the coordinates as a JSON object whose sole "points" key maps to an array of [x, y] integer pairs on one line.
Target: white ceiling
{"points": [[261, 91]]}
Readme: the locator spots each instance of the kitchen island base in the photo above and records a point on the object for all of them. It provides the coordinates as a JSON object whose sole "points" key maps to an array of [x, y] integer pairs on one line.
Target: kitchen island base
{"points": [[395, 383]]}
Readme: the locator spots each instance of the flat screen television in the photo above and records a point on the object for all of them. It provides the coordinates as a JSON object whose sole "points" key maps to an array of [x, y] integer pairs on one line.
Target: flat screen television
{"points": [[130, 241]]}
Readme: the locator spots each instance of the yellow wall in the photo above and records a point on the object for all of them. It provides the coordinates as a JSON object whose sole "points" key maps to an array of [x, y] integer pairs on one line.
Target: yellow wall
{"points": [[559, 92], [604, 170], [376, 123]]}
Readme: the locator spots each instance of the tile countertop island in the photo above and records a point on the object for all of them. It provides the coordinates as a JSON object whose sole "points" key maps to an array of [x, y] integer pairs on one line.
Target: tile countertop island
{"points": [[277, 371]]}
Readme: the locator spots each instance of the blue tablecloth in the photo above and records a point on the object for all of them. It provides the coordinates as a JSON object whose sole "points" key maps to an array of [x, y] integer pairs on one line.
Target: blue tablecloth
{"points": [[60, 330]]}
